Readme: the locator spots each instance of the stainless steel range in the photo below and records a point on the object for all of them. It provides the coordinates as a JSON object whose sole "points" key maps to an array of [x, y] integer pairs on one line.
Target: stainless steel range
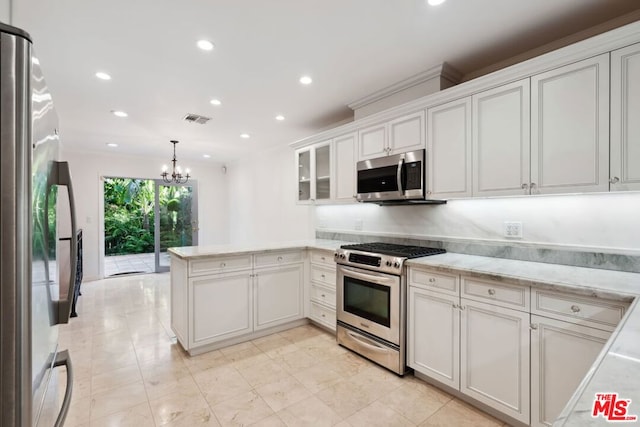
{"points": [[371, 301]]}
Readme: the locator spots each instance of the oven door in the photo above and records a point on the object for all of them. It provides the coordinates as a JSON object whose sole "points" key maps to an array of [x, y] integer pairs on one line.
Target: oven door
{"points": [[369, 301]]}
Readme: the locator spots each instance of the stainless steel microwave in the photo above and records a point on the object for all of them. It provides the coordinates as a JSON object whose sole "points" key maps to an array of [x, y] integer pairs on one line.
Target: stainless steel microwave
{"points": [[399, 179]]}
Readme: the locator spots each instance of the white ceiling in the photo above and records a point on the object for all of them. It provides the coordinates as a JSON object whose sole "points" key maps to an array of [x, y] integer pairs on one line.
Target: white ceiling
{"points": [[350, 48]]}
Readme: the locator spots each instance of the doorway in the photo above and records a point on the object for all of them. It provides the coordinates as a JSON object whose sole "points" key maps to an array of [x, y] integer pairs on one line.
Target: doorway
{"points": [[142, 219]]}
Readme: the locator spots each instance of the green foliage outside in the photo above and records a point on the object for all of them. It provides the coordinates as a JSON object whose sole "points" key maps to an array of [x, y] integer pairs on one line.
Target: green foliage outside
{"points": [[129, 216]]}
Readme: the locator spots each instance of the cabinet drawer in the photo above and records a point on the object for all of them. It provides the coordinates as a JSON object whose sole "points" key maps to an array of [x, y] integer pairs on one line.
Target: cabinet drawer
{"points": [[323, 295], [322, 257], [323, 275], [433, 281], [199, 267], [277, 258], [596, 312], [497, 293], [323, 314]]}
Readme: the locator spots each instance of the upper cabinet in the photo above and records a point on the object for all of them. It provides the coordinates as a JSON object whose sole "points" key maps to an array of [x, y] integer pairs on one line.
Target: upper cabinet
{"points": [[501, 140], [313, 165], [625, 111], [396, 136], [344, 161], [570, 128], [449, 150]]}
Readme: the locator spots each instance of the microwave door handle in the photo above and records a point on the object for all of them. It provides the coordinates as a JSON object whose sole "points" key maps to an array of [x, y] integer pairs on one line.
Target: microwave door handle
{"points": [[399, 177]]}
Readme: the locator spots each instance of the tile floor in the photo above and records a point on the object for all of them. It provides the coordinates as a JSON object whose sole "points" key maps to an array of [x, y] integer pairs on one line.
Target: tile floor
{"points": [[129, 371], [135, 263]]}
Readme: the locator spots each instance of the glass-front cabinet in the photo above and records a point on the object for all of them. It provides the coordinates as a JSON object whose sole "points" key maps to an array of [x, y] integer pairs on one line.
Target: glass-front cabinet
{"points": [[314, 173]]}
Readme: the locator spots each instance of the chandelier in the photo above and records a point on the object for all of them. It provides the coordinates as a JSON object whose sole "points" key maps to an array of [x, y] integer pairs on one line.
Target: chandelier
{"points": [[176, 172]]}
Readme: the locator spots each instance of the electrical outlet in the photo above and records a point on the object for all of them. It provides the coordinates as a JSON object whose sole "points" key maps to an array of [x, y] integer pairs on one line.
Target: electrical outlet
{"points": [[513, 229], [358, 225]]}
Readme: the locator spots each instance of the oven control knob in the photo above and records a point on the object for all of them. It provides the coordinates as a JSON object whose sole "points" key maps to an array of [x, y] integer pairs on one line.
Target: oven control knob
{"points": [[335, 255], [341, 256], [388, 263], [396, 264]]}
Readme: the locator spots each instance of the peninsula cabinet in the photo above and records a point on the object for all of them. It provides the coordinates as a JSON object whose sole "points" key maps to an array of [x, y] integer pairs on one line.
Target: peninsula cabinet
{"points": [[501, 140], [570, 128], [449, 150], [625, 111], [402, 134]]}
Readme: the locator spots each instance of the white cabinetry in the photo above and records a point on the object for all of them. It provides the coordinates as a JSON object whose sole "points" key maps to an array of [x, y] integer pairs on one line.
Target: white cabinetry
{"points": [[344, 161], [322, 292], [278, 295], [449, 150], [313, 166], [569, 128], [501, 140], [625, 111], [396, 136]]}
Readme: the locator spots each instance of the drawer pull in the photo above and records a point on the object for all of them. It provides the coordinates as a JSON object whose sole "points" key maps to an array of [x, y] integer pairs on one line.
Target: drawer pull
{"points": [[323, 258], [322, 276], [323, 315], [322, 295], [432, 280], [491, 291], [575, 308], [223, 265], [533, 326], [279, 258]]}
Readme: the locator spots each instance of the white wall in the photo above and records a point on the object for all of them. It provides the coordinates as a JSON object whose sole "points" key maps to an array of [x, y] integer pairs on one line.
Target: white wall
{"points": [[262, 205], [87, 168], [5, 11], [607, 222]]}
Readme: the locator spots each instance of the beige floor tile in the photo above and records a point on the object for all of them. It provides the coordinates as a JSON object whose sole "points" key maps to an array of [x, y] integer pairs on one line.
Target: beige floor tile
{"points": [[115, 378], [282, 393], [296, 360], [263, 373], [378, 415], [184, 386], [246, 358], [137, 416], [272, 421], [202, 362], [179, 410], [158, 352], [220, 384], [163, 371], [242, 347], [461, 414], [317, 377], [103, 361], [118, 399], [244, 409], [347, 397], [79, 413], [415, 402], [348, 364], [321, 348], [301, 333], [311, 412]]}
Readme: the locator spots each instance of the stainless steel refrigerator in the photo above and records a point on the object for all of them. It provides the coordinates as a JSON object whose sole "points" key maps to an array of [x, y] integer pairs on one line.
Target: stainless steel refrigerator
{"points": [[37, 261]]}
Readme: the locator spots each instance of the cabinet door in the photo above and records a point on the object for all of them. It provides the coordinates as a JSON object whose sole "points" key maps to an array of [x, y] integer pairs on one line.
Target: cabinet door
{"points": [[345, 160], [278, 295], [625, 111], [501, 140], [449, 149], [434, 336], [494, 357], [561, 355], [569, 128], [407, 133], [303, 171], [179, 300], [372, 142], [221, 307], [322, 171]]}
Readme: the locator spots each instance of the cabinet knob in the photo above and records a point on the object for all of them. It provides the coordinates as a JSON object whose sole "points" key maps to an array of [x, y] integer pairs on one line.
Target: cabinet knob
{"points": [[455, 305], [323, 258], [322, 276], [279, 258], [533, 186], [428, 193], [491, 291], [432, 280], [223, 265], [322, 295], [524, 186], [575, 308], [614, 180], [323, 315], [533, 326]]}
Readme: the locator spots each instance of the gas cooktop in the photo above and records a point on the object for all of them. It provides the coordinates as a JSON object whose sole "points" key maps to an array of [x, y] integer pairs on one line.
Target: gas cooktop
{"points": [[392, 249]]}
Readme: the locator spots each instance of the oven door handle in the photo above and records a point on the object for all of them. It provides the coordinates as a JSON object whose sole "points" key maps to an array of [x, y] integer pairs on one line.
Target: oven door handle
{"points": [[379, 278], [367, 343]]}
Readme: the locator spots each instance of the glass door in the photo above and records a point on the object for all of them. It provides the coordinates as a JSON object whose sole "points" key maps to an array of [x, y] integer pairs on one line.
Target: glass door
{"points": [[176, 220]]}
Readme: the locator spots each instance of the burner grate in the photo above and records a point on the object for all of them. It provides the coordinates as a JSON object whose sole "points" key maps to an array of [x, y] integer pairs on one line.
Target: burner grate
{"points": [[395, 250]]}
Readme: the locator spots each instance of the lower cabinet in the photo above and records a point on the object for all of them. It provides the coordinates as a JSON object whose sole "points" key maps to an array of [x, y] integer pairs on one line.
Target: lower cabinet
{"points": [[561, 355], [221, 307], [494, 357], [278, 293]]}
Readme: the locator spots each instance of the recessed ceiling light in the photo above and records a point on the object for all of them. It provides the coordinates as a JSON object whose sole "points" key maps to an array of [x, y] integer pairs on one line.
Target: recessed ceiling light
{"points": [[206, 156], [205, 45], [306, 80], [103, 76], [435, 2], [280, 117], [112, 144], [119, 113], [245, 135], [215, 102]]}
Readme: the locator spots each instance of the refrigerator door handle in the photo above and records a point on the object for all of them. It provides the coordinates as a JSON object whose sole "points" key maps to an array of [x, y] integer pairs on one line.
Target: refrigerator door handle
{"points": [[61, 176], [64, 359]]}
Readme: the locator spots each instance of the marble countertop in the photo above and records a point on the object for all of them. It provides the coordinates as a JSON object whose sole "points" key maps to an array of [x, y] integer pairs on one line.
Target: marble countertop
{"points": [[193, 252], [617, 368]]}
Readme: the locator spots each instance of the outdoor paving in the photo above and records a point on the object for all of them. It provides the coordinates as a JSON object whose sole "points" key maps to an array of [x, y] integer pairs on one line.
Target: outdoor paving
{"points": [[129, 264]]}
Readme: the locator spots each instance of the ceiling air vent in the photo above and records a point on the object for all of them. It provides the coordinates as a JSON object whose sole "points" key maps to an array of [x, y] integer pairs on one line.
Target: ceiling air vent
{"points": [[195, 118]]}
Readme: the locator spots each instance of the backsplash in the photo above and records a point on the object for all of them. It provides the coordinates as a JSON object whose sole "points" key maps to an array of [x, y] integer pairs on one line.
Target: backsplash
{"points": [[591, 230]]}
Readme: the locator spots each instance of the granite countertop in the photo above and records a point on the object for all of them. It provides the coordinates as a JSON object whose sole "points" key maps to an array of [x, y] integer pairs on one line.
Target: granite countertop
{"points": [[193, 252], [617, 368]]}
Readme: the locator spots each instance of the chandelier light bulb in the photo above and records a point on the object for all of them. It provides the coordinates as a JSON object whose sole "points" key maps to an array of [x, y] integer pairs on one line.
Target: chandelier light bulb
{"points": [[164, 168]]}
